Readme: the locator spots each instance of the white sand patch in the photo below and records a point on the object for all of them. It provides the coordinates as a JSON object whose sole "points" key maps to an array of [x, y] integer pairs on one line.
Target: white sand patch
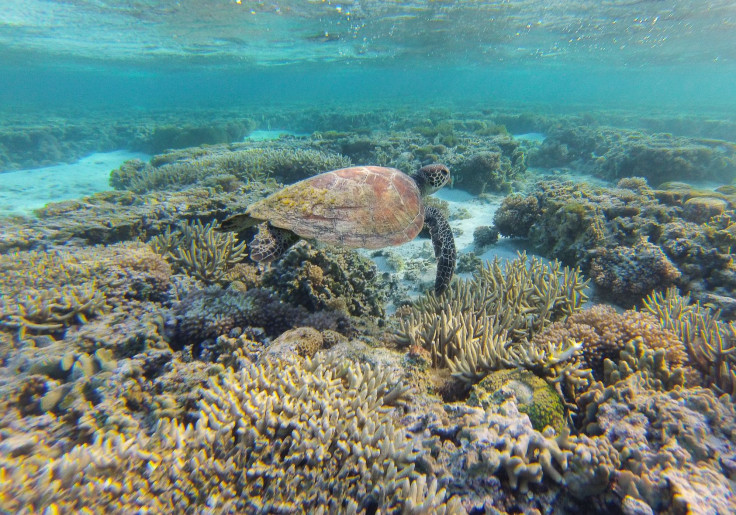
{"points": [[467, 212], [536, 137], [272, 135], [22, 191]]}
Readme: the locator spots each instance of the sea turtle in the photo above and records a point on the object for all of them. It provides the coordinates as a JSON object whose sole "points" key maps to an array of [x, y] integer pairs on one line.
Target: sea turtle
{"points": [[359, 207]]}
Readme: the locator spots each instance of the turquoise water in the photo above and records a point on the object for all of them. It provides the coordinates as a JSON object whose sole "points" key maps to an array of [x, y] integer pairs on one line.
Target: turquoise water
{"points": [[560, 337], [659, 54]]}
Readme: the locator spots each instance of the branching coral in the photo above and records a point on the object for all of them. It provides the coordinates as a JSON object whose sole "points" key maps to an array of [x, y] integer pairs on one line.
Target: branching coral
{"points": [[469, 328], [710, 342], [317, 436], [204, 252]]}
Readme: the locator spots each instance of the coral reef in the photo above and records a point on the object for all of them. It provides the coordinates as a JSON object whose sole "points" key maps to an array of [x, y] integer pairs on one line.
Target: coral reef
{"points": [[631, 239], [494, 170], [327, 278], [614, 153], [206, 254], [188, 380], [220, 165]]}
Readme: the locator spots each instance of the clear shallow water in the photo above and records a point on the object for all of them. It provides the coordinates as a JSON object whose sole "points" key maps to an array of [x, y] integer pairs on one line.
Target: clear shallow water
{"points": [[677, 54]]}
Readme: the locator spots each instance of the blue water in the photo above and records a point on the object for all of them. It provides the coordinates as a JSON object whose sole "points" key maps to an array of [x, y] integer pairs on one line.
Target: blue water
{"points": [[677, 55]]}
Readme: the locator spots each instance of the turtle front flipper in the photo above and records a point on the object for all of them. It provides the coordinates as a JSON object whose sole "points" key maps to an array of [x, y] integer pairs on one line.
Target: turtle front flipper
{"points": [[237, 223], [444, 247], [270, 243]]}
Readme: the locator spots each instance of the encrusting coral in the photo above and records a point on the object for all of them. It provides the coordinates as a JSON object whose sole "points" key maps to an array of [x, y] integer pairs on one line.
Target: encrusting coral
{"points": [[534, 396]]}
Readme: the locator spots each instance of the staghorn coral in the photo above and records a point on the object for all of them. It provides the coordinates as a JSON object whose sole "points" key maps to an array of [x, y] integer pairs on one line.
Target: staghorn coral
{"points": [[261, 444], [205, 253], [51, 310], [468, 326], [710, 342]]}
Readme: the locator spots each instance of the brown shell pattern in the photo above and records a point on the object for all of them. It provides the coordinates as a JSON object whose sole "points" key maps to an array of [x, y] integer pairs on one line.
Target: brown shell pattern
{"points": [[360, 207]]}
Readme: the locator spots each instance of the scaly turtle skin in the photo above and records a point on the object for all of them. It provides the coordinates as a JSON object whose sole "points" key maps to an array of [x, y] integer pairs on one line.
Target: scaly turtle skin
{"points": [[360, 207]]}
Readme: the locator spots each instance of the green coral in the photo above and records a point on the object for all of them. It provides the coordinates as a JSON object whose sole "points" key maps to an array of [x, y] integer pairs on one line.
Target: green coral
{"points": [[534, 396]]}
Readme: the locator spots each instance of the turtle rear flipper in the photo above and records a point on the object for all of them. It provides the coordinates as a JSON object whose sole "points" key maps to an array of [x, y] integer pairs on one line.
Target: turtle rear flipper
{"points": [[444, 247], [237, 223], [270, 243]]}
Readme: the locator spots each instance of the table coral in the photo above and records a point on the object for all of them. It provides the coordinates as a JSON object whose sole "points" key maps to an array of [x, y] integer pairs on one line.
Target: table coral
{"points": [[244, 161]]}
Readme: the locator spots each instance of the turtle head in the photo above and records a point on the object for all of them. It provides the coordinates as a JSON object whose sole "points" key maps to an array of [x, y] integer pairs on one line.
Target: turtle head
{"points": [[431, 178]]}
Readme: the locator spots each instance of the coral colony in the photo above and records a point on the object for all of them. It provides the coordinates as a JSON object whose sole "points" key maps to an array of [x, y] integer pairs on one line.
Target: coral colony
{"points": [[149, 365]]}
